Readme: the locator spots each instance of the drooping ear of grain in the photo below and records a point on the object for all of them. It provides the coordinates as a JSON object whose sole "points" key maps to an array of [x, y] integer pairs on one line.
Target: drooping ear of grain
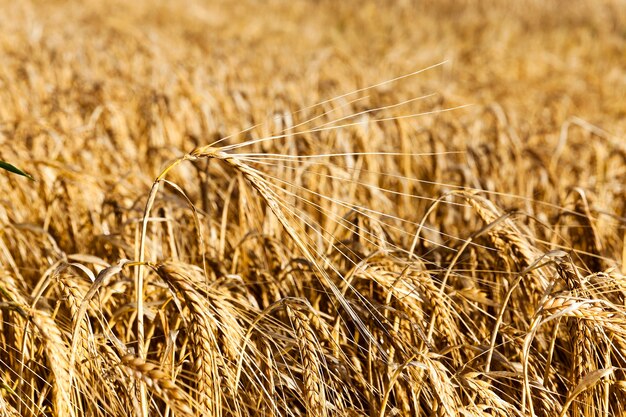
{"points": [[160, 382], [202, 333], [312, 383]]}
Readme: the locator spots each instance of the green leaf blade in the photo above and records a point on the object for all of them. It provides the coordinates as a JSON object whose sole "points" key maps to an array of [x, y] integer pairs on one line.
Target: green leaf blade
{"points": [[12, 168]]}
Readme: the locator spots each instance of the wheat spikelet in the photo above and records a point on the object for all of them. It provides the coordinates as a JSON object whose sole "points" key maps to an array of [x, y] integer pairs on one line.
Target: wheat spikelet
{"points": [[57, 358], [313, 386], [54, 346], [584, 338], [159, 382], [202, 335], [507, 237]]}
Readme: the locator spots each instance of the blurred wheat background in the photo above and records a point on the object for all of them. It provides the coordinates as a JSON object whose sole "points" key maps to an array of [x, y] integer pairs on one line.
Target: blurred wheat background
{"points": [[228, 221]]}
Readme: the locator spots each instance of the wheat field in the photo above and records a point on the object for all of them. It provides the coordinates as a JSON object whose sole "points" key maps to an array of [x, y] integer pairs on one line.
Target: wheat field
{"points": [[313, 208]]}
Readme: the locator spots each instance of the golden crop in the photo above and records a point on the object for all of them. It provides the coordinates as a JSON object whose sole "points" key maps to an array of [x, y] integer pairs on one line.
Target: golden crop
{"points": [[313, 208]]}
